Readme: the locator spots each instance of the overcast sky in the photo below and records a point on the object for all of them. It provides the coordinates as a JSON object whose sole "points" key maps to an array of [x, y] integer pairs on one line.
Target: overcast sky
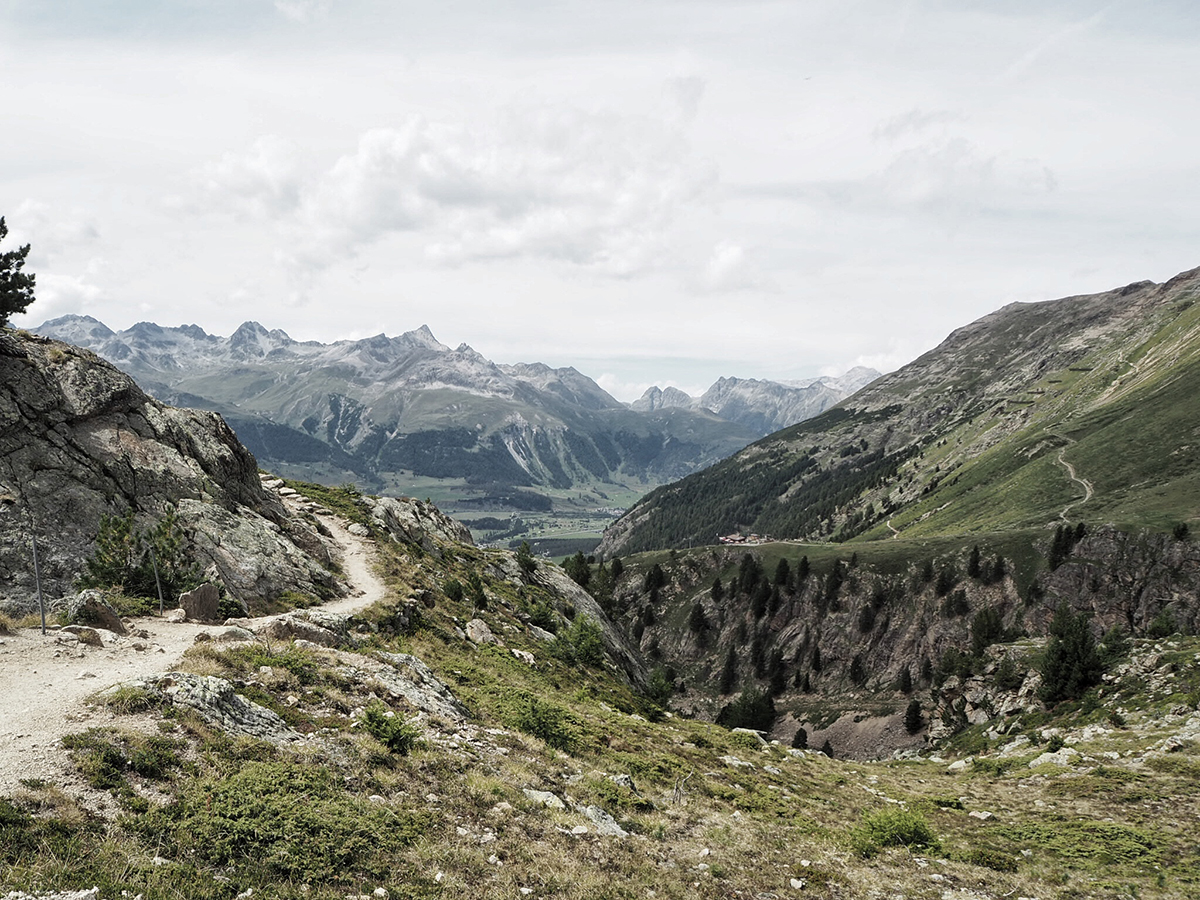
{"points": [[650, 191]]}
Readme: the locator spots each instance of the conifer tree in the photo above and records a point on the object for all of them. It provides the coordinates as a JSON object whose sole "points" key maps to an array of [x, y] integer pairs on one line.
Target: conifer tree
{"points": [[1071, 664], [913, 720], [16, 286]]}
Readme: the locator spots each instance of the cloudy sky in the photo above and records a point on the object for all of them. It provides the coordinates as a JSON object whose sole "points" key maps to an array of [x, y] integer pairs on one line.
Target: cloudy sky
{"points": [[651, 191]]}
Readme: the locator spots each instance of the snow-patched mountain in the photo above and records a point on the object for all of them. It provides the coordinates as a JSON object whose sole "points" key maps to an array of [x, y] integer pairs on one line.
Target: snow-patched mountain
{"points": [[760, 405], [385, 405]]}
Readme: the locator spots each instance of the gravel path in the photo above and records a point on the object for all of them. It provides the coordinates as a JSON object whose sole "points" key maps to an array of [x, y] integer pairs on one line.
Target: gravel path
{"points": [[45, 683]]}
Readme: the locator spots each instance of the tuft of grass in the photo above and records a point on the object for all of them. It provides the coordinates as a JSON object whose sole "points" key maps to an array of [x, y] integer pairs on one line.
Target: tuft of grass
{"points": [[7, 625], [125, 700]]}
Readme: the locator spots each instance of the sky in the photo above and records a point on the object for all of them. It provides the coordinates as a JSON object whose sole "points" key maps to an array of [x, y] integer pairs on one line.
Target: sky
{"points": [[652, 191]]}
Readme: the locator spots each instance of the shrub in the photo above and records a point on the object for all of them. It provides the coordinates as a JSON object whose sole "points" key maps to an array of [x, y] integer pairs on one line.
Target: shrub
{"points": [[453, 589], [661, 687], [6, 624], [389, 729], [891, 828], [990, 859], [126, 557], [283, 822], [543, 720], [582, 643], [800, 739], [525, 558]]}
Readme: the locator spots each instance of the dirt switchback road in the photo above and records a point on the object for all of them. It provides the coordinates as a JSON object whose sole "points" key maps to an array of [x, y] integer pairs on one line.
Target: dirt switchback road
{"points": [[44, 684]]}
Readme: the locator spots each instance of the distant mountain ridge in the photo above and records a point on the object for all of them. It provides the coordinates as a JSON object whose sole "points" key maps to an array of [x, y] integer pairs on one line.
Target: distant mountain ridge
{"points": [[761, 405], [368, 409]]}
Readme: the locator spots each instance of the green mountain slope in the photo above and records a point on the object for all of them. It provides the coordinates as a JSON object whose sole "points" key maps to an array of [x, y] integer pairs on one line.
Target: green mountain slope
{"points": [[1080, 407]]}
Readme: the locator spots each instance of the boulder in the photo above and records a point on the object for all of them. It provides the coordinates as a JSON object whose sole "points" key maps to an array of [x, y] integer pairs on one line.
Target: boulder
{"points": [[411, 521], [202, 604], [219, 704], [298, 626], [90, 608], [479, 633]]}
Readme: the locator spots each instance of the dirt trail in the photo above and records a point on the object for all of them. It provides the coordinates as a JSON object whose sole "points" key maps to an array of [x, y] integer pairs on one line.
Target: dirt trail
{"points": [[1088, 491], [44, 684]]}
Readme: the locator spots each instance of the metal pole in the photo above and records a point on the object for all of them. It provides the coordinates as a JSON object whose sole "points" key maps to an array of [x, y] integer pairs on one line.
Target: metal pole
{"points": [[157, 583], [37, 577]]}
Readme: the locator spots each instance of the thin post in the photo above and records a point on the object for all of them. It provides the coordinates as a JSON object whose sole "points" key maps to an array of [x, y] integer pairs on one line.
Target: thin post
{"points": [[157, 583], [37, 580]]}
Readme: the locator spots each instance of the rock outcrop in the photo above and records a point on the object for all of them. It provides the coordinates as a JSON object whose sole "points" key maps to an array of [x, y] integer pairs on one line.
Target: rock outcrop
{"points": [[414, 522], [79, 441]]}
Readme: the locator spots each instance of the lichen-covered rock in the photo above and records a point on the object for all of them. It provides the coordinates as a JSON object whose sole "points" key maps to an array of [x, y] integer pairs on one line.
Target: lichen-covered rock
{"points": [[401, 675], [79, 440], [414, 522], [479, 633], [327, 631], [90, 608], [219, 704]]}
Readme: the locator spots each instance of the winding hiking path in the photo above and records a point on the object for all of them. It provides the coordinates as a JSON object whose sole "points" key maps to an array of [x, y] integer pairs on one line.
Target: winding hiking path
{"points": [[45, 685], [1088, 491]]}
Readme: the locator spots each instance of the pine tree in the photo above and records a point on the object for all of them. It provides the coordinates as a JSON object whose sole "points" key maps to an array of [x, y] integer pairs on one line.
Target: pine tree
{"points": [[800, 739], [913, 720], [1071, 664], [16, 287], [973, 567], [728, 674], [905, 683]]}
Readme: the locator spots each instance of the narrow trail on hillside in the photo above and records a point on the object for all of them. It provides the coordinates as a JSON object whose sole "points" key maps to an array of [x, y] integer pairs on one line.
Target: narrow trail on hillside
{"points": [[895, 533], [1088, 491], [45, 685]]}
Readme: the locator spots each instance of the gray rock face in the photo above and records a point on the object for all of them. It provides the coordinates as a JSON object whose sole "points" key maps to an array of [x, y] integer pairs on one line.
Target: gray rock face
{"points": [[479, 633], [79, 440], [89, 608], [414, 522], [202, 604], [328, 631], [220, 705], [405, 676]]}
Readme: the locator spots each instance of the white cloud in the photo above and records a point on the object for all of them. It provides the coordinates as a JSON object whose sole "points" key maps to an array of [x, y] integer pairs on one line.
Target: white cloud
{"points": [[728, 269], [49, 231], [595, 190], [61, 295], [303, 11], [265, 181]]}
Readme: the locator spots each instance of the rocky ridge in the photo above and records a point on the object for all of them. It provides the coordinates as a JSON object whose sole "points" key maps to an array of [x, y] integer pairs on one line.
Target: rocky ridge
{"points": [[80, 441], [763, 406]]}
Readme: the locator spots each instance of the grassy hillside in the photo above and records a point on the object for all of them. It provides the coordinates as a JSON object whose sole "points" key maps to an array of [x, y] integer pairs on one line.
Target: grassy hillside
{"points": [[379, 800], [1083, 407]]}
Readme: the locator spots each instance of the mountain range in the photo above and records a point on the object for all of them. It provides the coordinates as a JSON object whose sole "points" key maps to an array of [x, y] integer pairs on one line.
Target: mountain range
{"points": [[388, 411]]}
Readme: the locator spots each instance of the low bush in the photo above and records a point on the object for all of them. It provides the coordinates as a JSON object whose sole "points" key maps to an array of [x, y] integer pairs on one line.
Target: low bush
{"points": [[891, 828], [389, 729], [280, 822], [543, 720]]}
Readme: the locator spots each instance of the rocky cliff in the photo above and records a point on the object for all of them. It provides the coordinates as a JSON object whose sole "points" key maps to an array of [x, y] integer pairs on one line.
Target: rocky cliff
{"points": [[79, 441]]}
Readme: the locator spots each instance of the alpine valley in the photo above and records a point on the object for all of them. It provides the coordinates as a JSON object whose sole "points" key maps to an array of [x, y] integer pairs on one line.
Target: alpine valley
{"points": [[939, 640], [522, 450]]}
